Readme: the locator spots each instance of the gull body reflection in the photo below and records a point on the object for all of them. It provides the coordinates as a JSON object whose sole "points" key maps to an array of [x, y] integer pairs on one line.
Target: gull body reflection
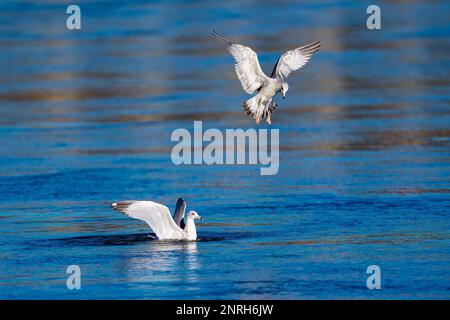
{"points": [[164, 261]]}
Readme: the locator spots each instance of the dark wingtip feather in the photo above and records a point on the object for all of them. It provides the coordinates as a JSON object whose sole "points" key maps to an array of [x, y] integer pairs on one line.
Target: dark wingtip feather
{"points": [[219, 37], [182, 224], [311, 48], [180, 202], [121, 206]]}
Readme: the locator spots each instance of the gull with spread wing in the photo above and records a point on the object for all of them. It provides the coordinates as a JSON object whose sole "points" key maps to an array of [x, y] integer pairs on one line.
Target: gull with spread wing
{"points": [[253, 79], [158, 217]]}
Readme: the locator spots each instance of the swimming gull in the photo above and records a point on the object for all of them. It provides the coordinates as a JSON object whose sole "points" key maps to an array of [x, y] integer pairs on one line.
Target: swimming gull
{"points": [[158, 217], [253, 79]]}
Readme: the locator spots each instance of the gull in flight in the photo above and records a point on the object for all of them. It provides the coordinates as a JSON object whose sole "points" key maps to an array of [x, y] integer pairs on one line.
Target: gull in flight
{"points": [[253, 79], [158, 217]]}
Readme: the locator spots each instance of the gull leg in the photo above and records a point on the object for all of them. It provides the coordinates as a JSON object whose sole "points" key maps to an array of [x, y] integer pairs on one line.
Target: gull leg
{"points": [[258, 115], [268, 112]]}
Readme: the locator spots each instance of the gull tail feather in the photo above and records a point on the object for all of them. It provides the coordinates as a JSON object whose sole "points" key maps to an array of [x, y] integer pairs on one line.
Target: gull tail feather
{"points": [[253, 108]]}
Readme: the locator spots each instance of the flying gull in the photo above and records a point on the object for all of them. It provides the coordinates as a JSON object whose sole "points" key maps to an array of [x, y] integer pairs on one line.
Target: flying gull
{"points": [[253, 79], [158, 217]]}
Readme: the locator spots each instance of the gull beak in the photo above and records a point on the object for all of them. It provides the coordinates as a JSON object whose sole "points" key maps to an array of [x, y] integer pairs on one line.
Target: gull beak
{"points": [[284, 96], [201, 218]]}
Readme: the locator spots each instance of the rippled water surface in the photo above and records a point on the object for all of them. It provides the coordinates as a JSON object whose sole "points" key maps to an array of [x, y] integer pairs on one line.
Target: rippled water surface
{"points": [[86, 118]]}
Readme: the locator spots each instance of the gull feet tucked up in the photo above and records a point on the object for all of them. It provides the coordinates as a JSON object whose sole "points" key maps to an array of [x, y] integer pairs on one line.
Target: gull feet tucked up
{"points": [[158, 217]]}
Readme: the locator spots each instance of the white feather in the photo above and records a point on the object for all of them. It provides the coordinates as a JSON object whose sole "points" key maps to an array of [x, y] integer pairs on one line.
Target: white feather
{"points": [[246, 64], [156, 215], [294, 59], [247, 67]]}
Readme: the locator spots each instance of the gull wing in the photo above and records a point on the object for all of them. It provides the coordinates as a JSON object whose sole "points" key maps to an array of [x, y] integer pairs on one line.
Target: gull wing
{"points": [[293, 60], [246, 64], [156, 215], [178, 216]]}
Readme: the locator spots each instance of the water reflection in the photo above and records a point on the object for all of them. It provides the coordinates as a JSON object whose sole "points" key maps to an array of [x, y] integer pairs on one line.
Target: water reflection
{"points": [[163, 261], [86, 118]]}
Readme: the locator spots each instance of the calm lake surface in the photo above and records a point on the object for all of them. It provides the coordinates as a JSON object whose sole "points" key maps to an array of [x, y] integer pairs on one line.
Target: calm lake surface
{"points": [[86, 118]]}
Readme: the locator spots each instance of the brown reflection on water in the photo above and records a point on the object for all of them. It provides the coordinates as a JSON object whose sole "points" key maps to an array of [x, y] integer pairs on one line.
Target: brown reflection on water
{"points": [[138, 73], [121, 151], [79, 94], [406, 191], [395, 138], [376, 140], [361, 240]]}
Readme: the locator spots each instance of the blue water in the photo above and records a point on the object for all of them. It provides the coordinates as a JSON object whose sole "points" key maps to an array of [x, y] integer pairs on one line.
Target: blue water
{"points": [[86, 118]]}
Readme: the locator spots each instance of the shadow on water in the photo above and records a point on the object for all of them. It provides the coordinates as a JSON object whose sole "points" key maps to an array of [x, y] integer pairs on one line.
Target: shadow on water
{"points": [[119, 240]]}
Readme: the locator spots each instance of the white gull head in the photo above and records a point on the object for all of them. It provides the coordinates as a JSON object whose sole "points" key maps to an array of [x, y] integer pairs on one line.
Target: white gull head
{"points": [[284, 89]]}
